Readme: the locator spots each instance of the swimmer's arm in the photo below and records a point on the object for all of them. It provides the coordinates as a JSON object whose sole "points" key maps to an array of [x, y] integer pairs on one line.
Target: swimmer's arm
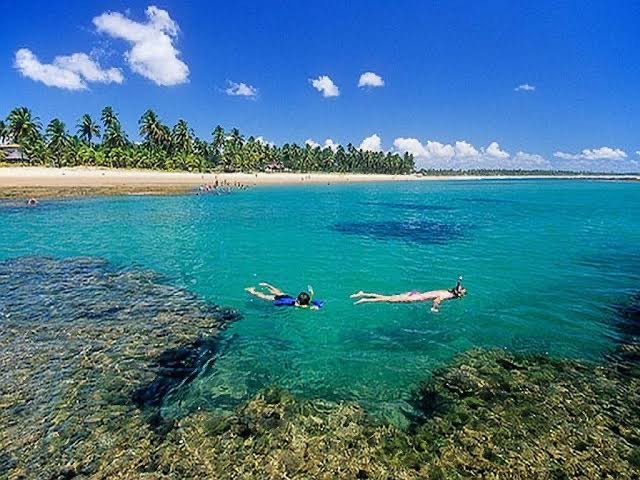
{"points": [[435, 307], [271, 288], [260, 295]]}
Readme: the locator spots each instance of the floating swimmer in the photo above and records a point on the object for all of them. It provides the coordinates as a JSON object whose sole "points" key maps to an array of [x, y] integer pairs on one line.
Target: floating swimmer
{"points": [[281, 299], [435, 296]]}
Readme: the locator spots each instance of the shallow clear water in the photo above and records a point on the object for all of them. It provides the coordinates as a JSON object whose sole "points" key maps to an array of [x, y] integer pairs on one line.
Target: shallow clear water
{"points": [[545, 264]]}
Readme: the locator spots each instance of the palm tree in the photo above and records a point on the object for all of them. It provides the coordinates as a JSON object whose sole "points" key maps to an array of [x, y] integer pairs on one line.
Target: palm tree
{"points": [[114, 136], [57, 140], [182, 138], [87, 129], [22, 125], [4, 132], [152, 130], [108, 117], [218, 138]]}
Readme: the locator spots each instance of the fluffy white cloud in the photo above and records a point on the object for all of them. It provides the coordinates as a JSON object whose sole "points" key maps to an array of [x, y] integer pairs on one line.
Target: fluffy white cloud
{"points": [[70, 72], [493, 150], [325, 85], [152, 53], [372, 143], [525, 87], [602, 153], [328, 143], [462, 155], [410, 145], [466, 150], [241, 90], [439, 150], [264, 141], [531, 160], [370, 79], [637, 152]]}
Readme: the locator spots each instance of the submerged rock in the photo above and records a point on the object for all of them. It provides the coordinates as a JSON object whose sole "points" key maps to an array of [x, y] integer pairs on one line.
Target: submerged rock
{"points": [[500, 415], [79, 341], [424, 231]]}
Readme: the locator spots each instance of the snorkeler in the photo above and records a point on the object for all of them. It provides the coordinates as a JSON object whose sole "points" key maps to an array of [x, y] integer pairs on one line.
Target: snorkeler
{"points": [[281, 299], [435, 296]]}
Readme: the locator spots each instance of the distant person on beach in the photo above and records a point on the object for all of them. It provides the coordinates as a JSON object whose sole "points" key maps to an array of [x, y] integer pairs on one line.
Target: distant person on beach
{"points": [[435, 296], [281, 299], [32, 202]]}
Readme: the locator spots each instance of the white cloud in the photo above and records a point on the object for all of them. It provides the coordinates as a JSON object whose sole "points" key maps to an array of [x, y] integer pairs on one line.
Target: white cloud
{"points": [[410, 145], [89, 69], [493, 150], [152, 52], [602, 153], [531, 160], [68, 72], [372, 143], [439, 150], [525, 87], [462, 155], [264, 141], [466, 150], [325, 85], [370, 79], [241, 90], [328, 143], [637, 152]]}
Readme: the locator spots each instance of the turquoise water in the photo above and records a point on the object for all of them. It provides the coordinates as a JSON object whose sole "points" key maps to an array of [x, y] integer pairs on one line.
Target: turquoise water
{"points": [[545, 263]]}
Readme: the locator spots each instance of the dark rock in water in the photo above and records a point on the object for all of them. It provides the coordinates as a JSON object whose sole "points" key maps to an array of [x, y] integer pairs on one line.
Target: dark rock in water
{"points": [[629, 319], [174, 367], [79, 342], [492, 413], [627, 324], [489, 414], [419, 231]]}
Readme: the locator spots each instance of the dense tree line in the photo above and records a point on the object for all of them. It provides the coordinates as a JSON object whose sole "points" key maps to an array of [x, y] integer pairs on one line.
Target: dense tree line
{"points": [[106, 144]]}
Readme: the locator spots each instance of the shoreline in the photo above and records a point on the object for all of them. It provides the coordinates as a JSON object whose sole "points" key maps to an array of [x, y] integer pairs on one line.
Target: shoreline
{"points": [[17, 182]]}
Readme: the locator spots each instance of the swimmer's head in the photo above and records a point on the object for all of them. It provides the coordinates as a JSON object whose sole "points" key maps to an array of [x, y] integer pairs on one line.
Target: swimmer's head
{"points": [[459, 290], [303, 299]]}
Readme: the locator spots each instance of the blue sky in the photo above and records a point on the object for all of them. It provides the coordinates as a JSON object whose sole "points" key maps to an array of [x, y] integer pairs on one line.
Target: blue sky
{"points": [[451, 72]]}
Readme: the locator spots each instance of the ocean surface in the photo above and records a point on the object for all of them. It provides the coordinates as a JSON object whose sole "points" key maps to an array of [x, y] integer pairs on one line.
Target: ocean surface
{"points": [[546, 264]]}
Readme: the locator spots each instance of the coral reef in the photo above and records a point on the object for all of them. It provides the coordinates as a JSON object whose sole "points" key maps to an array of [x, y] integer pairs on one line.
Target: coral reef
{"points": [[87, 354], [79, 341]]}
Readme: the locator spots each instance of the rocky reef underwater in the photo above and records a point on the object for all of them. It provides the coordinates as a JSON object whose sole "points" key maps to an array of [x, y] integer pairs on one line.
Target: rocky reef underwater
{"points": [[88, 352]]}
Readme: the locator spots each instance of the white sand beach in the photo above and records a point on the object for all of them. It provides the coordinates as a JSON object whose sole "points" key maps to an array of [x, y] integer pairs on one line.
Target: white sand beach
{"points": [[88, 177]]}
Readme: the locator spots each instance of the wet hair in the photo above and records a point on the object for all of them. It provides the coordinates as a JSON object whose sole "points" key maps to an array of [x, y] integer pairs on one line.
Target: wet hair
{"points": [[458, 290], [303, 298]]}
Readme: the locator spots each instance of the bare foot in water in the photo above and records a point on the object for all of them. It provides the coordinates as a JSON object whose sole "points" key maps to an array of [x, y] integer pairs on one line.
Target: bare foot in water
{"points": [[357, 295]]}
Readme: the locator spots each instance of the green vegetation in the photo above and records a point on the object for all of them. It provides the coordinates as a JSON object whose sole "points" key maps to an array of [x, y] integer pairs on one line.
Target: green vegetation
{"points": [[178, 148]]}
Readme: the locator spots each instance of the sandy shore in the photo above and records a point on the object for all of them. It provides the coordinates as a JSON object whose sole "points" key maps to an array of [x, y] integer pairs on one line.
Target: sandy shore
{"points": [[26, 181]]}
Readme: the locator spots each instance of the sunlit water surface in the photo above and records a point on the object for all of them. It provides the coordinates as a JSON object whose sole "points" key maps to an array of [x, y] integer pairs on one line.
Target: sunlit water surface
{"points": [[545, 264]]}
